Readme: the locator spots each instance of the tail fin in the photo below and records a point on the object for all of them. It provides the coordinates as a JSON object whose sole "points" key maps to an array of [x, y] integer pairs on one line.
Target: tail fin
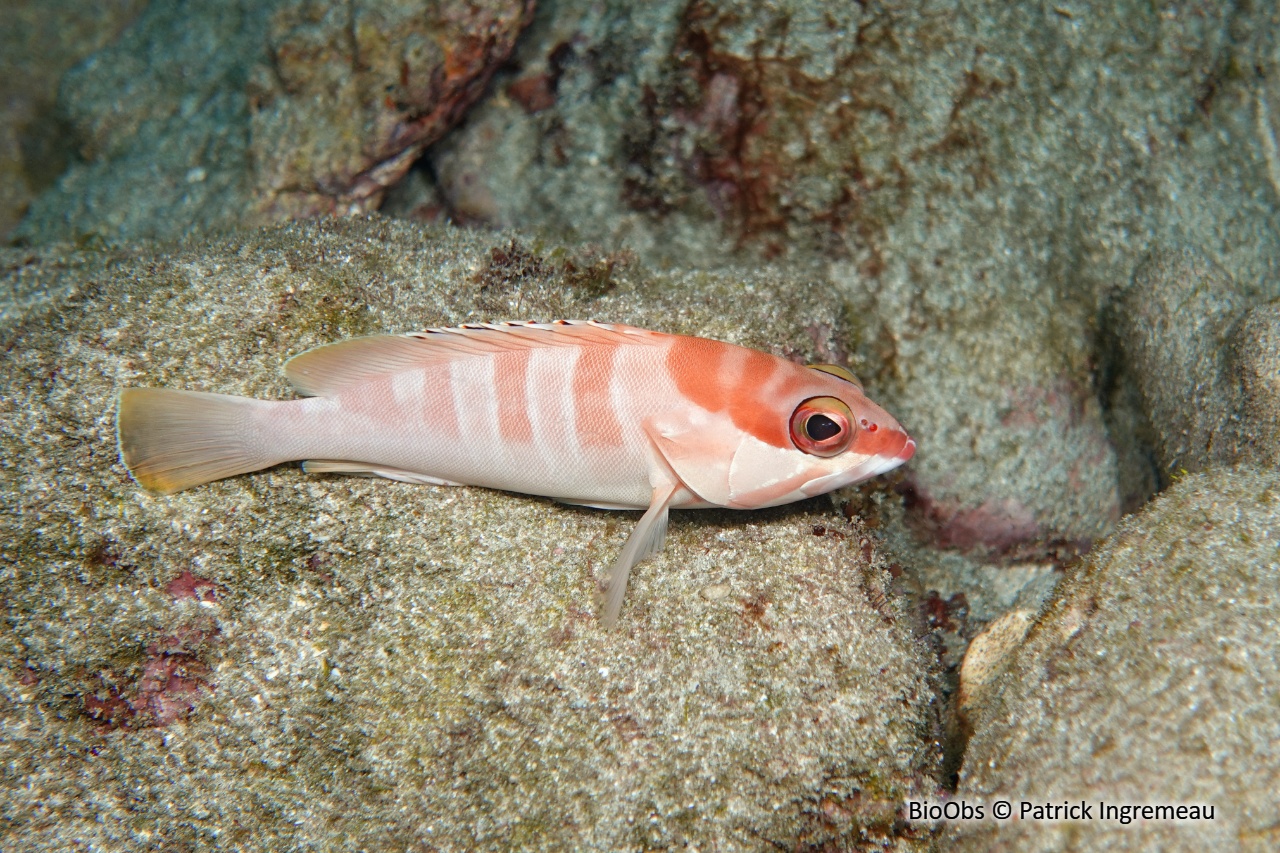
{"points": [[173, 440]]}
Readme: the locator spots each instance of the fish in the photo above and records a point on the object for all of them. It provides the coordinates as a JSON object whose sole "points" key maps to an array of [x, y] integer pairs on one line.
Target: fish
{"points": [[589, 413]]}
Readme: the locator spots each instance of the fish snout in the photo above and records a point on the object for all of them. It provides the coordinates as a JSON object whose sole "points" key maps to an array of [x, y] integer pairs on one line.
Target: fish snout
{"points": [[891, 455], [895, 448]]}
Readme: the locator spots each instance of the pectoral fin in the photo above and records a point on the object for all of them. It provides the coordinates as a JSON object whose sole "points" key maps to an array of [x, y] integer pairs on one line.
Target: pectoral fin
{"points": [[645, 541], [726, 467], [699, 453]]}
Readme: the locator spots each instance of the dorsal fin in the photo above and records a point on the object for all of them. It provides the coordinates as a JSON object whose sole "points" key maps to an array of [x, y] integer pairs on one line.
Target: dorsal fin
{"points": [[330, 368]]}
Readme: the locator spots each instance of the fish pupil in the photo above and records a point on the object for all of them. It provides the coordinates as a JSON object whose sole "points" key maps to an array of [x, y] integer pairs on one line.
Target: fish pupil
{"points": [[821, 428]]}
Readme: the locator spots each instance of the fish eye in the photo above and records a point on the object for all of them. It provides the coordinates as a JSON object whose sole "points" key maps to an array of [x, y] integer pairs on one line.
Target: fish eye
{"points": [[822, 426]]}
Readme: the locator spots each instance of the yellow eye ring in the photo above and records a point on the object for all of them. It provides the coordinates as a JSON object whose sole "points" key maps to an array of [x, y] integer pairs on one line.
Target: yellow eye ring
{"points": [[822, 426]]}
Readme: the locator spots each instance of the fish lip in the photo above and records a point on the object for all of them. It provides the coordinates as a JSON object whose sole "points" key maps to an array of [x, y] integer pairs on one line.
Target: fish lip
{"points": [[889, 461], [873, 466]]}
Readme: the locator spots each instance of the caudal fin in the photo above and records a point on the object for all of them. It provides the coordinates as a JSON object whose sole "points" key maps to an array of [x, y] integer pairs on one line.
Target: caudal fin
{"points": [[173, 440]]}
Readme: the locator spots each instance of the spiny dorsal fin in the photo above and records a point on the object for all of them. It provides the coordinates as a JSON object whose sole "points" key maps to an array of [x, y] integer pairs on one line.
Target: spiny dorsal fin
{"points": [[330, 368]]}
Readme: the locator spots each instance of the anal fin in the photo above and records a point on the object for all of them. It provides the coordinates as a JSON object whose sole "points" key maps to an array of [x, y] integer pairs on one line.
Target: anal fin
{"points": [[597, 504], [337, 466]]}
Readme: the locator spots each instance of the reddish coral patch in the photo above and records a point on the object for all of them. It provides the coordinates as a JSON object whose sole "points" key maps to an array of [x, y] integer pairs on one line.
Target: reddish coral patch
{"points": [[169, 686], [108, 707], [187, 585], [998, 527], [160, 689]]}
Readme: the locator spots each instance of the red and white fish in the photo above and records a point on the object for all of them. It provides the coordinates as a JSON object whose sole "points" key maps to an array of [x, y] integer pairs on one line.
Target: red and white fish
{"points": [[598, 414]]}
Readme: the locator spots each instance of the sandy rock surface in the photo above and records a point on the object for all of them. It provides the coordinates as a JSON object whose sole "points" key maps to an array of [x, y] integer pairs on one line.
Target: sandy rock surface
{"points": [[1198, 355], [282, 661], [1150, 678], [203, 116], [1043, 235], [973, 179], [40, 40], [964, 179]]}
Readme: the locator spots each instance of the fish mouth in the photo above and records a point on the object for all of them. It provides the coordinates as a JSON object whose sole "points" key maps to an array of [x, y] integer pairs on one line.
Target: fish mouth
{"points": [[883, 462], [872, 466]]}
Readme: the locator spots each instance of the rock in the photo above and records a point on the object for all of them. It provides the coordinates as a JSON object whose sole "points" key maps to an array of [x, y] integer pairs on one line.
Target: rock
{"points": [[1256, 366], [283, 661], [1202, 364], [1175, 321], [971, 184], [41, 39], [415, 197], [1150, 678], [210, 115], [986, 653], [868, 138], [354, 92]]}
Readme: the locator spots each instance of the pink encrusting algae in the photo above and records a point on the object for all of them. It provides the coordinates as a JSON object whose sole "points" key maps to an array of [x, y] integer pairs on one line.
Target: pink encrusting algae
{"points": [[588, 413]]}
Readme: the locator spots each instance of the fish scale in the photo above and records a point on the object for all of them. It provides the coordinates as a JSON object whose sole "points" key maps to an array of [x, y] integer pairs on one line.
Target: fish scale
{"points": [[598, 414]]}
